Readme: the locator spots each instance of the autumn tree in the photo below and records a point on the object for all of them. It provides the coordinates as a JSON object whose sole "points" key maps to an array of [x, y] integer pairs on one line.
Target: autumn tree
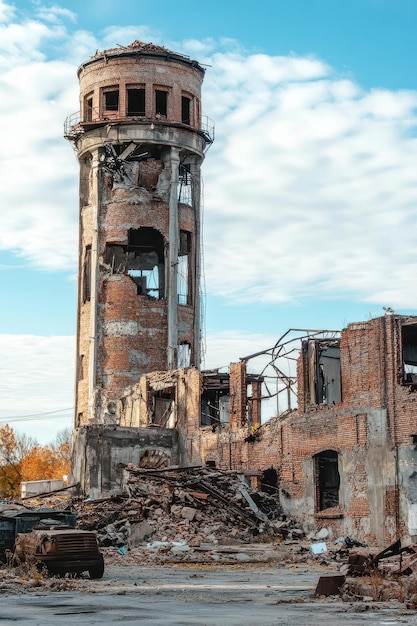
{"points": [[10, 476], [23, 459]]}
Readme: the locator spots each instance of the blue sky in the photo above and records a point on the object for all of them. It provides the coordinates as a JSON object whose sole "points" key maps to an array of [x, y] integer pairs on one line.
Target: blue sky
{"points": [[310, 188]]}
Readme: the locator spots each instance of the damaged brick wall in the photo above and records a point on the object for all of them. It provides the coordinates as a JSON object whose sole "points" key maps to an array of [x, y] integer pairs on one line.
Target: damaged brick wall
{"points": [[140, 145], [368, 436]]}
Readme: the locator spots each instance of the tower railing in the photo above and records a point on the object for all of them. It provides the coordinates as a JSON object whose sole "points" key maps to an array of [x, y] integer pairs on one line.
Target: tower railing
{"points": [[74, 127]]}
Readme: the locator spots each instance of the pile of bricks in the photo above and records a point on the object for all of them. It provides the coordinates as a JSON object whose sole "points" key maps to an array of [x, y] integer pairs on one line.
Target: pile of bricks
{"points": [[184, 509]]}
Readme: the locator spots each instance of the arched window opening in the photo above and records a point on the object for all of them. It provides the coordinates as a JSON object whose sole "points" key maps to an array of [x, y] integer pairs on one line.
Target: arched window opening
{"points": [[327, 479]]}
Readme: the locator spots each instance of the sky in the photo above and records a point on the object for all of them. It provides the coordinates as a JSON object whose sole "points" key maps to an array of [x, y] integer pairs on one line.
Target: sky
{"points": [[310, 188]]}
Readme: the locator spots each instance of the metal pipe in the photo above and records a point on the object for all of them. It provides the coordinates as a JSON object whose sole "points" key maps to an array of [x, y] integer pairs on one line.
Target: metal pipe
{"points": [[173, 260]]}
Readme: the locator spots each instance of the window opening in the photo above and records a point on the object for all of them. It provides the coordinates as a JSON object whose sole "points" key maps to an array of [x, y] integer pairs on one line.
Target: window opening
{"points": [[215, 408], [183, 275], [81, 373], [87, 275], [409, 354], [184, 180], [111, 100], [185, 110], [145, 262], [88, 109], [183, 355], [324, 375], [224, 413], [142, 259], [269, 481], [161, 101], [163, 410], [327, 479], [136, 102]]}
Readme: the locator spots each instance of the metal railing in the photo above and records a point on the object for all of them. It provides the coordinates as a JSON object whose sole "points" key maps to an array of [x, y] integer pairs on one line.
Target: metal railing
{"points": [[74, 126]]}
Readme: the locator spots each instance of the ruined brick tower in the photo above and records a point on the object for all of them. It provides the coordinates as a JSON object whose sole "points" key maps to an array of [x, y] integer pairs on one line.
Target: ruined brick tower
{"points": [[140, 142]]}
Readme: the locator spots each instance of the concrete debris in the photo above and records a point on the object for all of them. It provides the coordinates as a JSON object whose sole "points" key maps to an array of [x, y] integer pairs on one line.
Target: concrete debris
{"points": [[380, 576], [318, 548], [189, 505]]}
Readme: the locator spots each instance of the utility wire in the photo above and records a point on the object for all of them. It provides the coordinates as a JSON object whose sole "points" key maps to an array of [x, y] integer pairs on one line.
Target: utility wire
{"points": [[13, 418]]}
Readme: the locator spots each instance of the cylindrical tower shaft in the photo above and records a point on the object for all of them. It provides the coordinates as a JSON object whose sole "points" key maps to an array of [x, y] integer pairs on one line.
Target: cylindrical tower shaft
{"points": [[140, 143]]}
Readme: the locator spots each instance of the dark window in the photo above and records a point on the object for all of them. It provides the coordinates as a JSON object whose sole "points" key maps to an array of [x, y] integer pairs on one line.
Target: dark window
{"points": [[184, 269], [88, 110], [161, 100], [409, 354], [269, 481], [327, 480], [81, 372], [87, 275], [324, 375], [111, 100], [185, 110], [215, 408], [136, 102]]}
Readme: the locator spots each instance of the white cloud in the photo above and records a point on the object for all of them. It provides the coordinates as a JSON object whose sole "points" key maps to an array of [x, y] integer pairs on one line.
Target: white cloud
{"points": [[310, 187], [55, 14], [37, 378], [7, 11], [225, 347]]}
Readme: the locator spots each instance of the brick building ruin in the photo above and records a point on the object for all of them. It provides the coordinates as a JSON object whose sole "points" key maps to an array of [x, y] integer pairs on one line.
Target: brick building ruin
{"points": [[340, 446], [140, 139]]}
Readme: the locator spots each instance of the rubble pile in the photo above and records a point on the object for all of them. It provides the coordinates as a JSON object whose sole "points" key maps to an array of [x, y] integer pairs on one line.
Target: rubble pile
{"points": [[369, 574], [183, 510]]}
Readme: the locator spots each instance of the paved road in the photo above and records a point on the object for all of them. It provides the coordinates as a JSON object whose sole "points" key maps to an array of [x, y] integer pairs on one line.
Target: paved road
{"points": [[183, 597]]}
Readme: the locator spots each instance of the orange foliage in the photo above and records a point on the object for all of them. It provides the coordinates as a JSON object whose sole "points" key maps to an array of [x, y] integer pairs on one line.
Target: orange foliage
{"points": [[44, 462], [23, 459]]}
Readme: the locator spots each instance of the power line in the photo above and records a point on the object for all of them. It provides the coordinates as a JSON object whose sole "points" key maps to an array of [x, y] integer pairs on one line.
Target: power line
{"points": [[32, 419], [14, 418]]}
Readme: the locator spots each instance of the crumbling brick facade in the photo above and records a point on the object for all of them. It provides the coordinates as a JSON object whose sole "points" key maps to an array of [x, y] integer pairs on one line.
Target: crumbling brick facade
{"points": [[140, 142], [345, 459], [351, 465]]}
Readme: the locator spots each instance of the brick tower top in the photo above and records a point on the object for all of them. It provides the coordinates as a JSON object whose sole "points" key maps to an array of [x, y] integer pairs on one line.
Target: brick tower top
{"points": [[141, 83], [141, 49]]}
